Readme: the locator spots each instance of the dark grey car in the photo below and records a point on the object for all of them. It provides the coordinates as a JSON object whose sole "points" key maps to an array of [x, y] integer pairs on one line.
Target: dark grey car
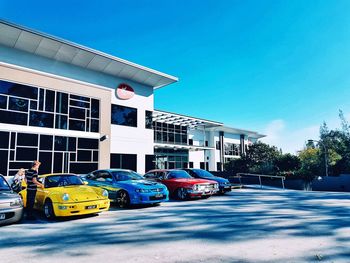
{"points": [[11, 205]]}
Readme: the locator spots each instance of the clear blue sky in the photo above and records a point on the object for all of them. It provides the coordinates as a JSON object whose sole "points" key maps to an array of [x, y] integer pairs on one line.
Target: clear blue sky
{"points": [[278, 67]]}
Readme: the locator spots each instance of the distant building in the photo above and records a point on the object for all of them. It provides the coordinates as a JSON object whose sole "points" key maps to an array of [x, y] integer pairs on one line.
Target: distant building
{"points": [[77, 109]]}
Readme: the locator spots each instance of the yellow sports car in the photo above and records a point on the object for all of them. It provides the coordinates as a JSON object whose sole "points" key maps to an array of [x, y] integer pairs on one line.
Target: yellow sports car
{"points": [[67, 195]]}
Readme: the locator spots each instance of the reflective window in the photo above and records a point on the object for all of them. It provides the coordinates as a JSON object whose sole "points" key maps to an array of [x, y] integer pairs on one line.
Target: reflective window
{"points": [[3, 102], [47, 108], [124, 161], [18, 104], [148, 120], [122, 115], [41, 119]]}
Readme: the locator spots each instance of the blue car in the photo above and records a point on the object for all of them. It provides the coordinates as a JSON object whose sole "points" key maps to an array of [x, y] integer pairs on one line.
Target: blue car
{"points": [[224, 184], [126, 187]]}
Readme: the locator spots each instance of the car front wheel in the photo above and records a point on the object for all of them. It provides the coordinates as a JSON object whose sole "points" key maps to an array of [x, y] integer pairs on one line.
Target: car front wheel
{"points": [[123, 199], [48, 210], [181, 194]]}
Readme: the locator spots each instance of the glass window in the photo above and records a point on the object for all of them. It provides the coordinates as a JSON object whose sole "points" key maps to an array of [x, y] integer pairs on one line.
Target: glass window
{"points": [[149, 120], [3, 161], [46, 162], [77, 125], [124, 161], [72, 144], [95, 108], [33, 105], [50, 100], [3, 102], [83, 168], [62, 102], [18, 104], [124, 116], [4, 139], [46, 142], [41, 119], [18, 90], [61, 122], [79, 98], [84, 155], [85, 143], [61, 143], [95, 125], [25, 154], [26, 139], [12, 117], [41, 99], [79, 103], [77, 113]]}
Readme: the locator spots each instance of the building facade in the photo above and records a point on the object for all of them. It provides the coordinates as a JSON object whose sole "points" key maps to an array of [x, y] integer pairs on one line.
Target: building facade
{"points": [[77, 109]]}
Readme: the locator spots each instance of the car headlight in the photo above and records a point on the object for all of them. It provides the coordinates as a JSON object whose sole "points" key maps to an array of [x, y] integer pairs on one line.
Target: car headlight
{"points": [[143, 190], [17, 202], [65, 197], [196, 187], [105, 193]]}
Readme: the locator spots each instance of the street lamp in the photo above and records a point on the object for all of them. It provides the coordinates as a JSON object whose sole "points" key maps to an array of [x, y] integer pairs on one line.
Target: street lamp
{"points": [[325, 154]]}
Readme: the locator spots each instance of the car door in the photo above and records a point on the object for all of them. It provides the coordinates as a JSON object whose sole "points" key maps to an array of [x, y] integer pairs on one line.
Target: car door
{"points": [[41, 194]]}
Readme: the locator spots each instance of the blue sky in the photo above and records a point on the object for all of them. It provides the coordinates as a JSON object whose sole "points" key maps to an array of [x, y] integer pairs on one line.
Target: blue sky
{"points": [[277, 67]]}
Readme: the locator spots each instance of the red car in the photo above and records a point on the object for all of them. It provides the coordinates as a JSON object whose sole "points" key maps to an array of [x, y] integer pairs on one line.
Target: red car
{"points": [[182, 185]]}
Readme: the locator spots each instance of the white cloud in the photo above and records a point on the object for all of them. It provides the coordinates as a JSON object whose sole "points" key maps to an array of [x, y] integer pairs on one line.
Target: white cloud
{"points": [[289, 140], [282, 135]]}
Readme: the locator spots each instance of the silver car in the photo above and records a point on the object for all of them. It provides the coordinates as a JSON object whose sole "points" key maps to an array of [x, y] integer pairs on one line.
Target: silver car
{"points": [[11, 205]]}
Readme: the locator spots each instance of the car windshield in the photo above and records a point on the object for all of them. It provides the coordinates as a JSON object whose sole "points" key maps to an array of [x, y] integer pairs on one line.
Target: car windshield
{"points": [[4, 185], [126, 175], [202, 173], [178, 174], [62, 180]]}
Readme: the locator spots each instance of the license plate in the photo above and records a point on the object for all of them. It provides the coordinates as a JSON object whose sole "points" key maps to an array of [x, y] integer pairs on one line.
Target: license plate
{"points": [[91, 207], [2, 216], [158, 195]]}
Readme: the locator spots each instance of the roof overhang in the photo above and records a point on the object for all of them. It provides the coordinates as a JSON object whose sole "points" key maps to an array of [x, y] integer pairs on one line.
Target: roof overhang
{"points": [[251, 134], [178, 119], [41, 44]]}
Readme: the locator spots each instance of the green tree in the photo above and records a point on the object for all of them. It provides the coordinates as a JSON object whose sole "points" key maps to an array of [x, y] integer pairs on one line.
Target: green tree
{"points": [[288, 163]]}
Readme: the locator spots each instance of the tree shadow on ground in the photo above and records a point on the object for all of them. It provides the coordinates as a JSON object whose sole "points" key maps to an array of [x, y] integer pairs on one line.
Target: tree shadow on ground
{"points": [[241, 216]]}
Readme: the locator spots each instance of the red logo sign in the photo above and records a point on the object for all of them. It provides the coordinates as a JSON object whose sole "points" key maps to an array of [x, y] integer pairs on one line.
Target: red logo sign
{"points": [[124, 92]]}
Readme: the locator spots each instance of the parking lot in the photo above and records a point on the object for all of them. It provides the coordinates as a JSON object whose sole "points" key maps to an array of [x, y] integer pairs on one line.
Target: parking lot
{"points": [[246, 225]]}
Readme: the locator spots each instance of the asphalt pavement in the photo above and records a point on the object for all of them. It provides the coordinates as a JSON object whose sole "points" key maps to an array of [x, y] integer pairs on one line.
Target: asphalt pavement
{"points": [[246, 225]]}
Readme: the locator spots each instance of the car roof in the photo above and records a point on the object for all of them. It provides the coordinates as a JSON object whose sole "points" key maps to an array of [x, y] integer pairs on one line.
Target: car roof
{"points": [[47, 175], [163, 170], [114, 170]]}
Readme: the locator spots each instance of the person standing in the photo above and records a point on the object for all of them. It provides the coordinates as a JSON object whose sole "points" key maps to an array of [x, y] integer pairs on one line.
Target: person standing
{"points": [[32, 184]]}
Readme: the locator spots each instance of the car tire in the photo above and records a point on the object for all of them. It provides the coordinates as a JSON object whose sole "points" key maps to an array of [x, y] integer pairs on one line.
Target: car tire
{"points": [[123, 199], [48, 210], [181, 194]]}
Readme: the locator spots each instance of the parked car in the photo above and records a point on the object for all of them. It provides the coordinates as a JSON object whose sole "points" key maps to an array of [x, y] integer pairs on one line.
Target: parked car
{"points": [[67, 195], [224, 184], [126, 187], [181, 185], [11, 205]]}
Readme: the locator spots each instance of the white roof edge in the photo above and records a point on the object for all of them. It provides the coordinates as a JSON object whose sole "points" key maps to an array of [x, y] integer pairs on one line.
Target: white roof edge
{"points": [[241, 131], [186, 116], [63, 41]]}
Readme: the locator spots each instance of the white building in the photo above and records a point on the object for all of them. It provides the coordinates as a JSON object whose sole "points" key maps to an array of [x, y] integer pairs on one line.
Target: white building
{"points": [[77, 109]]}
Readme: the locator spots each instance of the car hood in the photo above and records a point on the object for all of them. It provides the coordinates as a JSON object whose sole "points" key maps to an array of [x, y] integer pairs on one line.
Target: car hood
{"points": [[77, 193], [216, 179], [193, 181], [144, 184], [7, 195]]}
